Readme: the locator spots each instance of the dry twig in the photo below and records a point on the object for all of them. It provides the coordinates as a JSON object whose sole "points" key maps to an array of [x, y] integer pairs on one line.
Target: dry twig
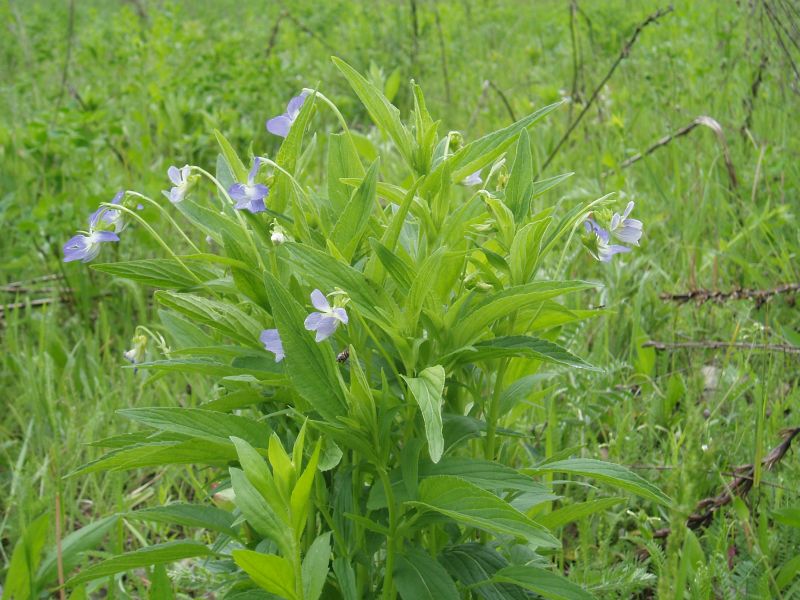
{"points": [[712, 345], [758, 296]]}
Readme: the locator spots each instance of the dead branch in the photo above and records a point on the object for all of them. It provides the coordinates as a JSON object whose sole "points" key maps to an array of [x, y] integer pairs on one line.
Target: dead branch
{"points": [[624, 53], [704, 120], [715, 345], [504, 100], [750, 100], [758, 296]]}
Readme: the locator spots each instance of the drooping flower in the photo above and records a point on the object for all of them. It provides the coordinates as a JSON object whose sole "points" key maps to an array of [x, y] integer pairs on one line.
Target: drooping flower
{"points": [[327, 320], [625, 229], [86, 247], [598, 242], [281, 124], [272, 342], [474, 179], [182, 180], [250, 196], [108, 217]]}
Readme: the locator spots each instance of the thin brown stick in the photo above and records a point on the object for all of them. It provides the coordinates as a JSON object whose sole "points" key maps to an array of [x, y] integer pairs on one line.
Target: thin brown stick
{"points": [[67, 57], [704, 120], [750, 100], [273, 36], [759, 296], [310, 32], [504, 100], [626, 49], [715, 345]]}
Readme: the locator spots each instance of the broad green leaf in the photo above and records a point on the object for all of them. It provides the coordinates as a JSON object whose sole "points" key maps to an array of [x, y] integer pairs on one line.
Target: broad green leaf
{"points": [[469, 324], [252, 366], [258, 473], [397, 268], [144, 557], [474, 564], [470, 505], [222, 316], [610, 473], [248, 280], [543, 582], [165, 273], [787, 516], [485, 474], [427, 390], [273, 573], [346, 578], [353, 220], [315, 566], [301, 494], [19, 576], [518, 346], [160, 585], [209, 220], [382, 112], [235, 164], [576, 511], [203, 451], [419, 577], [787, 572], [311, 367], [188, 515], [542, 185], [519, 189], [261, 516], [343, 163], [201, 423]]}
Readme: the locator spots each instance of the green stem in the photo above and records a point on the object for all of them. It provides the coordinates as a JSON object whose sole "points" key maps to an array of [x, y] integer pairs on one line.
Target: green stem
{"points": [[389, 592], [494, 411], [332, 106], [165, 212]]}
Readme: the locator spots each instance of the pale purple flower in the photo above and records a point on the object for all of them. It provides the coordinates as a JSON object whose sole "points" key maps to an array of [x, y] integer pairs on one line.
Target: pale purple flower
{"points": [[181, 181], [474, 179], [603, 251], [250, 196], [86, 247], [281, 124], [625, 229], [108, 217], [272, 342], [326, 321]]}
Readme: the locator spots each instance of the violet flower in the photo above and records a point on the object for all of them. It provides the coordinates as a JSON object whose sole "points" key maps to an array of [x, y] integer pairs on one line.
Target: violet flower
{"points": [[602, 250], [327, 320], [181, 180], [86, 247], [474, 179], [281, 124], [625, 229], [108, 217], [272, 342], [250, 196]]}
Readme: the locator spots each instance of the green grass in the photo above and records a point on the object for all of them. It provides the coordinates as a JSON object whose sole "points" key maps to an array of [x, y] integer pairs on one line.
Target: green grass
{"points": [[142, 93]]}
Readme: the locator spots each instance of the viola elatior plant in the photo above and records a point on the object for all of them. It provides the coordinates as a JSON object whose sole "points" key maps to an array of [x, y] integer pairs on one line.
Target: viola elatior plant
{"points": [[375, 345]]}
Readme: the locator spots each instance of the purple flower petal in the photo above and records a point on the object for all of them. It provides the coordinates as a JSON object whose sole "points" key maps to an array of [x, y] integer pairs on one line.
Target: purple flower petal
{"points": [[256, 206], [312, 321], [326, 328], [609, 251], [295, 104], [238, 192], [272, 342], [254, 170], [279, 125], [105, 236], [174, 175], [319, 301], [340, 314]]}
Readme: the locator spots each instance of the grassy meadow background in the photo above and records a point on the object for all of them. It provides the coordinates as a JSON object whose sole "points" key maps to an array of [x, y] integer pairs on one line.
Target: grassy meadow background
{"points": [[102, 95]]}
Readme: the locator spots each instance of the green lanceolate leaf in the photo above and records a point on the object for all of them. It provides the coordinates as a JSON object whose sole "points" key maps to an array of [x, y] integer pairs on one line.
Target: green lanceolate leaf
{"points": [[310, 366], [382, 112], [353, 220], [419, 577], [325, 272], [145, 557], [473, 565], [519, 189], [343, 163], [273, 573], [221, 316], [315, 566], [188, 515], [259, 513], [397, 268], [470, 323], [518, 346], [288, 156], [472, 506], [201, 423], [576, 511], [610, 473], [165, 273], [485, 474], [427, 390], [545, 583], [235, 164]]}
